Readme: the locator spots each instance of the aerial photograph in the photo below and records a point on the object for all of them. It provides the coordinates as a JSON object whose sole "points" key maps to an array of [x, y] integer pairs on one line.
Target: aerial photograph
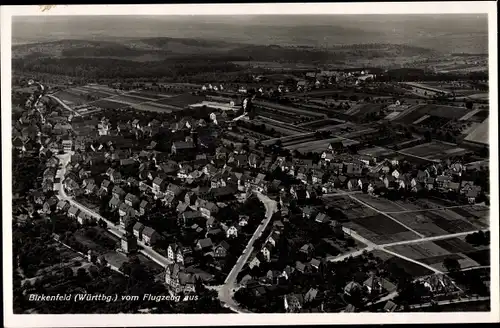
{"points": [[250, 164]]}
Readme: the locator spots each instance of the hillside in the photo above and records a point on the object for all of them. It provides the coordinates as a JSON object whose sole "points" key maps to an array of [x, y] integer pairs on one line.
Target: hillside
{"points": [[165, 48]]}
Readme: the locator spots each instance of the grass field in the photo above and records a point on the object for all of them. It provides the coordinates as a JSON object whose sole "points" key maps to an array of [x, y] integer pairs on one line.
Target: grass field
{"points": [[480, 134], [149, 94], [435, 150], [104, 103], [434, 254], [131, 100], [448, 112], [182, 101], [151, 107], [70, 98]]}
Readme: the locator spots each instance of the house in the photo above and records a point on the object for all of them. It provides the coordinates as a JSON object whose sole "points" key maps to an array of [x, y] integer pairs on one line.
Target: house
{"points": [[204, 244], [310, 295], [144, 207], [114, 203], [118, 192], [307, 212], [232, 232], [293, 302], [255, 262], [158, 185], [63, 206], [49, 205], [73, 212], [322, 218], [472, 195], [207, 208], [138, 229], [243, 220], [183, 148], [352, 287], [266, 251], [390, 306], [131, 200], [429, 183], [315, 264], [149, 236], [307, 250], [115, 177], [83, 218], [220, 251]]}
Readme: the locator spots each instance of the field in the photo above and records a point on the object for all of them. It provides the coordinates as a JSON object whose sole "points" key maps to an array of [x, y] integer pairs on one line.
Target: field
{"points": [[287, 109], [433, 254], [319, 146], [320, 124], [278, 116], [151, 107], [434, 150], [364, 109], [181, 101], [480, 134], [108, 104], [130, 100], [429, 219], [149, 94], [71, 98], [446, 112]]}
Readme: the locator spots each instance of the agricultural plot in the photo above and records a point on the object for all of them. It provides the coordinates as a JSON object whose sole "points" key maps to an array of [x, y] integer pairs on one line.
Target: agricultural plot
{"points": [[413, 269], [321, 124], [480, 134], [288, 109], [420, 223], [99, 87], [319, 145], [446, 112], [129, 100], [434, 151], [149, 94], [381, 230], [182, 101], [277, 116], [108, 104], [433, 254], [151, 107], [365, 109], [70, 98]]}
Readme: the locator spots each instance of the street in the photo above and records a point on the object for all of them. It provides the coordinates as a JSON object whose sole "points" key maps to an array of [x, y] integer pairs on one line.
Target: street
{"points": [[115, 230], [226, 290]]}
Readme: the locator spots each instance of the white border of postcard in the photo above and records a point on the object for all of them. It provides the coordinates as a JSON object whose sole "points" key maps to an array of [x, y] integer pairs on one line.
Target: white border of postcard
{"points": [[77, 320]]}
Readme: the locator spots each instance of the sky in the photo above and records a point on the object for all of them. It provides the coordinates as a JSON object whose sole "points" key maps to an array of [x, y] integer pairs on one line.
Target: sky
{"points": [[449, 33]]}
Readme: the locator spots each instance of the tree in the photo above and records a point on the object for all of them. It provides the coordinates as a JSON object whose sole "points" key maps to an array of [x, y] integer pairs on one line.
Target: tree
{"points": [[469, 104], [451, 264]]}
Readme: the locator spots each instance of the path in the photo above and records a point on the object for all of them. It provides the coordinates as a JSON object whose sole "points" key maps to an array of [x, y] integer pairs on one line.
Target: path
{"points": [[227, 290], [114, 229]]}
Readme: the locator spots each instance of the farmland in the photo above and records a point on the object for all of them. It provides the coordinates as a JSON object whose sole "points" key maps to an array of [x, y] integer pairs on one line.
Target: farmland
{"points": [[149, 94], [127, 99], [319, 146], [108, 104], [151, 107], [435, 150], [441, 111], [365, 109], [287, 109], [181, 101], [430, 219], [321, 124], [434, 253], [480, 134]]}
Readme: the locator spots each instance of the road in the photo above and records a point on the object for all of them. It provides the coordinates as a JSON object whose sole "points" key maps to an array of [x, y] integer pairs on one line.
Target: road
{"points": [[226, 291], [114, 229], [64, 105], [456, 301]]}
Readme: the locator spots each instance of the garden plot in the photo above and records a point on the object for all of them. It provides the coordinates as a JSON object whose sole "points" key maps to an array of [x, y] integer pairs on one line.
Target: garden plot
{"points": [[108, 104], [420, 223], [129, 100], [380, 229], [151, 107], [149, 94], [434, 150]]}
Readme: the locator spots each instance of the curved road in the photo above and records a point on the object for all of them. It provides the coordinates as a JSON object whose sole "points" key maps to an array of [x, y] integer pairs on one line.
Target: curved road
{"points": [[226, 291], [114, 229]]}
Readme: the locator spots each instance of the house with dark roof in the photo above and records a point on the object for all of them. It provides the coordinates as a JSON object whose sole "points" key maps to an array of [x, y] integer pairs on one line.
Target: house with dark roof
{"points": [[138, 229], [149, 236], [204, 244], [220, 251], [131, 200], [73, 212]]}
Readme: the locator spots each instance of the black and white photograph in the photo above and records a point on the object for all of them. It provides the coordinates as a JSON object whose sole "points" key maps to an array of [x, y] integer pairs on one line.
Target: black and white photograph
{"points": [[253, 160]]}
